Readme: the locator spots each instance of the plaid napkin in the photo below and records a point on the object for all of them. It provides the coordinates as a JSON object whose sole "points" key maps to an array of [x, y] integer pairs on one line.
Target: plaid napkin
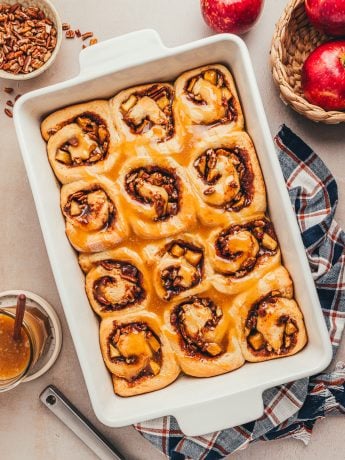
{"points": [[291, 410]]}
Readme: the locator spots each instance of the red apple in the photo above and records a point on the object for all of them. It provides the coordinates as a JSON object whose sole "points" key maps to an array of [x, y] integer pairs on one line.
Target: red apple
{"points": [[327, 15], [323, 76], [235, 16]]}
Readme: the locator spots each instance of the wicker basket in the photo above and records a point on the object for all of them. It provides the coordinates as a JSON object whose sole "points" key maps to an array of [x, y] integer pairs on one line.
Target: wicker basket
{"points": [[293, 41]]}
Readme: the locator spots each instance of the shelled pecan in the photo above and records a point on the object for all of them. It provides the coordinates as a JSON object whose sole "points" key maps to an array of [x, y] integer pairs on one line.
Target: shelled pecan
{"points": [[27, 38]]}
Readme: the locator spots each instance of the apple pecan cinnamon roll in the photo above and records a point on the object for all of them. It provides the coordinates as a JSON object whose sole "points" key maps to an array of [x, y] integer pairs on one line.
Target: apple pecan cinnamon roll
{"points": [[202, 336], [207, 96], [226, 176], [81, 140], [94, 221], [137, 354], [269, 322], [116, 281], [242, 254], [156, 197], [180, 268], [146, 114]]}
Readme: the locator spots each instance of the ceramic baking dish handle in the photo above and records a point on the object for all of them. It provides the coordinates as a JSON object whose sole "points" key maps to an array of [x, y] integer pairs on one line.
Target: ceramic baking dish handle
{"points": [[121, 52], [221, 413]]}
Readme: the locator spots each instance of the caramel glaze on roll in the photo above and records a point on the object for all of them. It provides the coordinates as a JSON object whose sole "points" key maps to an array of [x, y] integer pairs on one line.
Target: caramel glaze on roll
{"points": [[116, 281], [156, 197], [146, 115], [137, 353], [202, 337], [207, 96], [269, 322], [226, 176], [81, 140], [179, 266], [94, 219], [241, 254]]}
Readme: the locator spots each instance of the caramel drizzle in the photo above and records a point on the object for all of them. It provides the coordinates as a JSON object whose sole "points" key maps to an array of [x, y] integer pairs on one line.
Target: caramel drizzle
{"points": [[218, 80], [171, 276], [163, 97], [81, 197], [259, 228], [205, 165], [129, 328], [166, 200], [196, 345], [135, 292], [256, 342], [95, 128]]}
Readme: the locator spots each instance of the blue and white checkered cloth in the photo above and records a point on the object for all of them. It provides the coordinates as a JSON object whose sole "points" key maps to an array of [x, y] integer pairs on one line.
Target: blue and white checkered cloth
{"points": [[291, 410]]}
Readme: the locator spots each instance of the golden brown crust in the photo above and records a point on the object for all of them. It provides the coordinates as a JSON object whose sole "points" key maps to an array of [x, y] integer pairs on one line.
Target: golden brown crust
{"points": [[226, 176], [81, 140], [269, 322], [94, 219], [142, 359], [201, 101]]}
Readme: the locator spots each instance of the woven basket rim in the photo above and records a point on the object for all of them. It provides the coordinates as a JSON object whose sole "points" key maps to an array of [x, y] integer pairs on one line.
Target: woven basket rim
{"points": [[287, 94]]}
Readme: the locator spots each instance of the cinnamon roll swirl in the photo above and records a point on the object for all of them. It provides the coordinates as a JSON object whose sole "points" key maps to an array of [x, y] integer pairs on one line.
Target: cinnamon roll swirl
{"points": [[137, 353], [116, 281], [269, 322], [81, 140], [156, 197], [207, 96], [146, 114], [94, 219], [241, 254], [203, 338], [226, 176], [180, 268]]}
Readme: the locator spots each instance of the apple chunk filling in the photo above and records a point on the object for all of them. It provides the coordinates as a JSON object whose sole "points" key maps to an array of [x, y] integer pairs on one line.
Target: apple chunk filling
{"points": [[86, 141], [196, 320], [225, 178], [150, 109], [268, 329], [209, 88], [181, 267], [136, 350], [243, 245], [119, 286], [91, 209]]}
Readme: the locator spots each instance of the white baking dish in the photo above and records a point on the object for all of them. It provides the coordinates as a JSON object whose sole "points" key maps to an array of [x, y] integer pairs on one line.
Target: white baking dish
{"points": [[200, 405]]}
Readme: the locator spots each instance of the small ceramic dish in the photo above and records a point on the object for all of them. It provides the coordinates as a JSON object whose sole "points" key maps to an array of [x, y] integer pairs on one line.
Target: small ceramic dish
{"points": [[49, 10]]}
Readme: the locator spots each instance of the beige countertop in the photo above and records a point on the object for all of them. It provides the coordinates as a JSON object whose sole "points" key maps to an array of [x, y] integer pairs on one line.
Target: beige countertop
{"points": [[27, 430]]}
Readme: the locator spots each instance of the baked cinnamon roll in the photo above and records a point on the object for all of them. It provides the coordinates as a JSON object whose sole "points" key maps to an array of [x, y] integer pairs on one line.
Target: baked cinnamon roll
{"points": [[81, 140], [226, 176], [203, 337], [180, 268], [207, 96], [94, 220], [269, 322], [137, 353], [241, 254], [156, 197], [116, 281], [146, 114]]}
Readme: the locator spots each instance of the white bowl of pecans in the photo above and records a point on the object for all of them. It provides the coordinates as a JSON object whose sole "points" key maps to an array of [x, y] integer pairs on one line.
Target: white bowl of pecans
{"points": [[30, 38]]}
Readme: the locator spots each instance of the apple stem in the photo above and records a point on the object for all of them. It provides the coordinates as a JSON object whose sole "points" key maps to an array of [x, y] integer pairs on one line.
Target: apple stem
{"points": [[342, 59]]}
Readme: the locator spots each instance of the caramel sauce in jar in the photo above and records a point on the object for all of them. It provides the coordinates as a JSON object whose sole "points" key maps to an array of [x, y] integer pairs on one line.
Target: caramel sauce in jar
{"points": [[15, 355]]}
